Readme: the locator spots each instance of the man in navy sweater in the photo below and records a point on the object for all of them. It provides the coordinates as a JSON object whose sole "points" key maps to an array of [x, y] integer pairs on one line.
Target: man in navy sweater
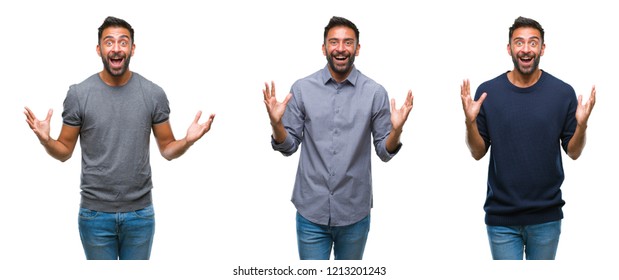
{"points": [[527, 116]]}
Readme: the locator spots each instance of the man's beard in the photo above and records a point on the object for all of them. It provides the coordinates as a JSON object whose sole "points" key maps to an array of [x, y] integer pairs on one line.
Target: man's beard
{"points": [[351, 61], [116, 73], [527, 71]]}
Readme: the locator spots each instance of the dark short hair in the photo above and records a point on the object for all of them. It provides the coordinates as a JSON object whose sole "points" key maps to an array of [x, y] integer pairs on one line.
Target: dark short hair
{"points": [[525, 22], [340, 21], [115, 22]]}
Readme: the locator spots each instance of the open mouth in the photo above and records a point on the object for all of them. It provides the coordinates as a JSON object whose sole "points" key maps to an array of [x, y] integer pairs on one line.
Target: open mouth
{"points": [[341, 59], [116, 62], [526, 59]]}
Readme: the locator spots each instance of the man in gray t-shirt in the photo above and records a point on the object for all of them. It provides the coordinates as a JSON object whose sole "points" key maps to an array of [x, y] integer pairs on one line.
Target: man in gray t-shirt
{"points": [[113, 112]]}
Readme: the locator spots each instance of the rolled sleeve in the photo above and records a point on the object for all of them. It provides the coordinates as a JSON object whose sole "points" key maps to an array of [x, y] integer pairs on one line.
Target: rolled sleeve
{"points": [[287, 148]]}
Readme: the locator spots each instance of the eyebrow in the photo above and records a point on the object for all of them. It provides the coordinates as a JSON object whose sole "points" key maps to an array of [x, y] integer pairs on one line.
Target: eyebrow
{"points": [[531, 38], [337, 39], [112, 37]]}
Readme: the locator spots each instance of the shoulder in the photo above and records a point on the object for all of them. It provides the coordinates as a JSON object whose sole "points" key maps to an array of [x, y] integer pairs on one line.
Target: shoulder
{"points": [[496, 81], [369, 84], [314, 79], [92, 81], [550, 79], [148, 88], [146, 84]]}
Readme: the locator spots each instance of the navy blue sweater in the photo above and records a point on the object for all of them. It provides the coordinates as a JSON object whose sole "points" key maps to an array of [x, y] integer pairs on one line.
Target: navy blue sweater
{"points": [[525, 129]]}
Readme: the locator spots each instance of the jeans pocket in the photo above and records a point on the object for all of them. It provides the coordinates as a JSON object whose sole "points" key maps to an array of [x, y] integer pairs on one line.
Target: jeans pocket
{"points": [[145, 213], [87, 214]]}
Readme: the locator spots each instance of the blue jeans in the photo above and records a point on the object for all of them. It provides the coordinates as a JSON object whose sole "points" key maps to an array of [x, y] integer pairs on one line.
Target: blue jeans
{"points": [[315, 241], [538, 242], [117, 236]]}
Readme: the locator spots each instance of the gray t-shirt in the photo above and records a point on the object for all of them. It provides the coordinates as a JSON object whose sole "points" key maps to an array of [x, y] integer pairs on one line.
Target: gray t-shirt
{"points": [[115, 125]]}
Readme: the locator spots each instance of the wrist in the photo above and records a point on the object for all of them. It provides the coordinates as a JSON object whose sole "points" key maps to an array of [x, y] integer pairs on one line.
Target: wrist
{"points": [[45, 142], [470, 122], [582, 126]]}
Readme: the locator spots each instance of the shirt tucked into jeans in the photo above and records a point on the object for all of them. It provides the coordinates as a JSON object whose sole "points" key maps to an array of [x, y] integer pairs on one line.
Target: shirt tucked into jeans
{"points": [[336, 123]]}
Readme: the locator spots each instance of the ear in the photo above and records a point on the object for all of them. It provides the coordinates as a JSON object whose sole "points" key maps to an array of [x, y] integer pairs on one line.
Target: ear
{"points": [[509, 50], [98, 51], [357, 49], [541, 53], [324, 50], [132, 49]]}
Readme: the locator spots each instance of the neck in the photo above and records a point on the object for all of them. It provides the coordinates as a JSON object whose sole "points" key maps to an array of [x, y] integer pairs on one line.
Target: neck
{"points": [[338, 77], [115, 81], [524, 80]]}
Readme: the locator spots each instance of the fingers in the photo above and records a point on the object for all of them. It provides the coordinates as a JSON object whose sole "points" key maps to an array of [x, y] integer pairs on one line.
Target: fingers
{"points": [[465, 88], [197, 118], [266, 91], [29, 114], [210, 119], [409, 98], [592, 96], [208, 123], [482, 98], [392, 102], [49, 114], [288, 97], [407, 105], [269, 91]]}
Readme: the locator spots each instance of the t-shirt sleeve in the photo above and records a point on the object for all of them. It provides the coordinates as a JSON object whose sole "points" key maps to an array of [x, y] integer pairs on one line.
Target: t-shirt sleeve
{"points": [[161, 111], [71, 114]]}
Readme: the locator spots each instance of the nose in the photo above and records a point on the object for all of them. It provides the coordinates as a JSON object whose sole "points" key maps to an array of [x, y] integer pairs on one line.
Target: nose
{"points": [[527, 48], [340, 47], [116, 47]]}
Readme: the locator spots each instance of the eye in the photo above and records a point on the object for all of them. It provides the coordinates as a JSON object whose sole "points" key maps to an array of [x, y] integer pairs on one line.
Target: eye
{"points": [[533, 44], [108, 43], [349, 43], [124, 43]]}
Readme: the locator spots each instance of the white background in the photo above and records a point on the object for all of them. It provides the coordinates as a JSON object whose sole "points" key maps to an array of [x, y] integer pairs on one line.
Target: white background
{"points": [[226, 203]]}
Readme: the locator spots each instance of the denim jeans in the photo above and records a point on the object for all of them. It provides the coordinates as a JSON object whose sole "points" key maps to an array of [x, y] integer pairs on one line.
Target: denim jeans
{"points": [[117, 236], [537, 242], [315, 241]]}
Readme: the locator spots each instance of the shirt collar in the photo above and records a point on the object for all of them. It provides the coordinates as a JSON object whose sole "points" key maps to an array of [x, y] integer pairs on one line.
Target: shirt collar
{"points": [[352, 77]]}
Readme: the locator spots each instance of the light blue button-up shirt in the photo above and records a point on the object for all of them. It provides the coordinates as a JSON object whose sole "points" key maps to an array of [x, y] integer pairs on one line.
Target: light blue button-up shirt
{"points": [[335, 123]]}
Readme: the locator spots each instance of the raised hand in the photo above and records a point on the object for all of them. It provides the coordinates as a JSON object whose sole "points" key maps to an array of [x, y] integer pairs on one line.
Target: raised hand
{"points": [[275, 109], [584, 111], [39, 127], [471, 108], [196, 130], [399, 116]]}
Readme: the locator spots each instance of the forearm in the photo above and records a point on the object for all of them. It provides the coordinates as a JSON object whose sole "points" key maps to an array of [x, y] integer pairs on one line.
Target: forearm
{"points": [[577, 142], [393, 140], [279, 132], [175, 149], [474, 141], [57, 149]]}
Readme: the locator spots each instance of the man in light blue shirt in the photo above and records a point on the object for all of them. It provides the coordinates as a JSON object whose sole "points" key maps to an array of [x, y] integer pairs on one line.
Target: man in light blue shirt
{"points": [[335, 112]]}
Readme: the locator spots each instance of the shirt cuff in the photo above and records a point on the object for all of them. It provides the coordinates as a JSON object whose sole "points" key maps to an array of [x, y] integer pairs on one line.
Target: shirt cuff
{"points": [[284, 146]]}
